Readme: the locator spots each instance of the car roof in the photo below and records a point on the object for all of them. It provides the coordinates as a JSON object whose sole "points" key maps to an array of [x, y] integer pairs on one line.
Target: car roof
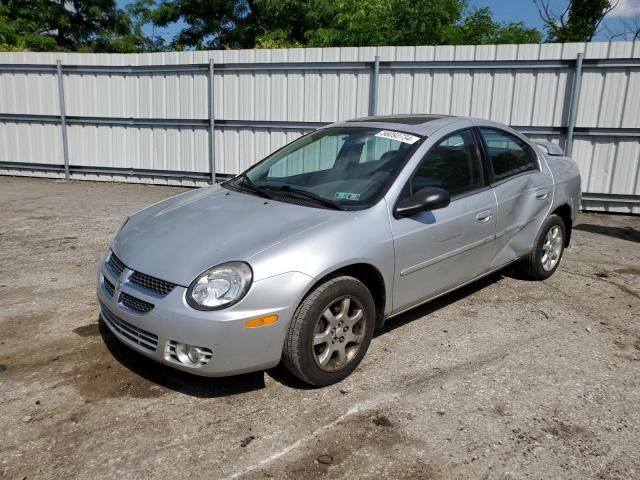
{"points": [[420, 124], [413, 119]]}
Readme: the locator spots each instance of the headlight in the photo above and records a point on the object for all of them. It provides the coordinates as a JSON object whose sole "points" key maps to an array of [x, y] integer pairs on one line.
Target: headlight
{"points": [[220, 286]]}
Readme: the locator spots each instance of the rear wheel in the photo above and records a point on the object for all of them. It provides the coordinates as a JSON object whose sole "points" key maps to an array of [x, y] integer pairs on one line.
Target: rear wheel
{"points": [[547, 252], [330, 332]]}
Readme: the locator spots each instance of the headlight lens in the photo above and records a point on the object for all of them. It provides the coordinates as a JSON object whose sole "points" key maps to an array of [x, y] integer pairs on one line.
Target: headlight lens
{"points": [[220, 286]]}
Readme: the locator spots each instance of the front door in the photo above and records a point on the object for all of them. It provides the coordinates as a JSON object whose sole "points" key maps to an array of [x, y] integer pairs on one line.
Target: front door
{"points": [[438, 250]]}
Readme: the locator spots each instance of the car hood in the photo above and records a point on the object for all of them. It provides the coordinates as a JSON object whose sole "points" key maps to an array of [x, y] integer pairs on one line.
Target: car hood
{"points": [[178, 238]]}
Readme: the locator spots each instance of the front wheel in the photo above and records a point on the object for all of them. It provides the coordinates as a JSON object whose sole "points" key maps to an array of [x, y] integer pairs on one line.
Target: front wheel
{"points": [[330, 332], [547, 251]]}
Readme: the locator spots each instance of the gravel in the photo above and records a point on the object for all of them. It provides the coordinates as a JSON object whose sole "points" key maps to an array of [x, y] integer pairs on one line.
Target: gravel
{"points": [[504, 379]]}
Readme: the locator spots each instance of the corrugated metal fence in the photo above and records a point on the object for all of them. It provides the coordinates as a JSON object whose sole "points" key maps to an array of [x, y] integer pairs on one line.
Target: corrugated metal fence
{"points": [[187, 117]]}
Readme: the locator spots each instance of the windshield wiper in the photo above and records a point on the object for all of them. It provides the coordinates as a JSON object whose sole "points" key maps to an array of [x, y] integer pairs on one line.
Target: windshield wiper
{"points": [[304, 193], [246, 183]]}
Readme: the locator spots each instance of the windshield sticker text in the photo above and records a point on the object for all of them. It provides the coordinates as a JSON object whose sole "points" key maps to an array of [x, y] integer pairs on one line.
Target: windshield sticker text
{"points": [[347, 196], [399, 136]]}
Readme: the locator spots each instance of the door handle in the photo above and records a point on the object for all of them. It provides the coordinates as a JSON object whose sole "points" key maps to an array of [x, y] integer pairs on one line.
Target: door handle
{"points": [[542, 194], [484, 217]]}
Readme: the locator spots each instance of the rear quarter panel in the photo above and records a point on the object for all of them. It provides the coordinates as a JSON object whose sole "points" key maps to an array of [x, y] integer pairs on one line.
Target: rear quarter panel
{"points": [[566, 176]]}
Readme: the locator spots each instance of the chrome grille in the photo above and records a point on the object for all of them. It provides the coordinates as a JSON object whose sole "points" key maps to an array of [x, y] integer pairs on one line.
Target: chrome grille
{"points": [[115, 265], [134, 303], [161, 287], [142, 280], [109, 286], [146, 340]]}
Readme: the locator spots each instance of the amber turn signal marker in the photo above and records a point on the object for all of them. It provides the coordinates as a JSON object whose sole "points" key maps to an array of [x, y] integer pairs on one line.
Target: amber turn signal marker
{"points": [[261, 322]]}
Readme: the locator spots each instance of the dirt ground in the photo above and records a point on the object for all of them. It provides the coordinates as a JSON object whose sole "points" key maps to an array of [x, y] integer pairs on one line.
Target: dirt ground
{"points": [[505, 379]]}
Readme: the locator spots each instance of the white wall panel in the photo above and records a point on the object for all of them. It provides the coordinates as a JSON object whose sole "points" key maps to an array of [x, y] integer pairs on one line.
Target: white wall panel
{"points": [[481, 95], [631, 113], [523, 94], [35, 93], [462, 85], [502, 96], [143, 148], [610, 98], [613, 96], [441, 92], [139, 96], [30, 143]]}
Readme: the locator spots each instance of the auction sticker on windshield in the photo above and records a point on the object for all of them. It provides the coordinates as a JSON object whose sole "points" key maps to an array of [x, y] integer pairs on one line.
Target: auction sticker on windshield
{"points": [[347, 196], [399, 136]]}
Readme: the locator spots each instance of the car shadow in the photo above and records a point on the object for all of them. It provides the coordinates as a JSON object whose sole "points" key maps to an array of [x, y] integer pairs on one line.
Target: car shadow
{"points": [[624, 233], [428, 308], [281, 375], [177, 380], [211, 387]]}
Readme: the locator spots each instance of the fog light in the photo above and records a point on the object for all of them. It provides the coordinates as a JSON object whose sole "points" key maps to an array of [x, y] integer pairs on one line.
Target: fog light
{"points": [[189, 354]]}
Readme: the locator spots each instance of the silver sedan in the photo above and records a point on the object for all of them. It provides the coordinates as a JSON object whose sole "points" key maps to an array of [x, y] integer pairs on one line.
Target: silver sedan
{"points": [[300, 258]]}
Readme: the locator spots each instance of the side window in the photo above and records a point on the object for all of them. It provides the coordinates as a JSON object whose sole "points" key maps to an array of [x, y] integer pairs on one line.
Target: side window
{"points": [[509, 155], [453, 164]]}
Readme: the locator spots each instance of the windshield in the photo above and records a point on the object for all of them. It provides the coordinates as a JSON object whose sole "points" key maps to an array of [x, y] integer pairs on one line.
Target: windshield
{"points": [[342, 168]]}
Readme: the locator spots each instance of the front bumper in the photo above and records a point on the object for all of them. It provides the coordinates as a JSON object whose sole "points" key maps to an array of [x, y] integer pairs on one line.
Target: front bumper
{"points": [[235, 348]]}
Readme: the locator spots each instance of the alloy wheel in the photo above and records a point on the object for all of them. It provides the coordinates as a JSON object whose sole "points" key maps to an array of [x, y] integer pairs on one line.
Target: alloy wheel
{"points": [[339, 333], [552, 248]]}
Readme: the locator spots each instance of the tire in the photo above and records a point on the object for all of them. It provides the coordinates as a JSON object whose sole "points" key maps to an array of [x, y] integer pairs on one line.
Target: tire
{"points": [[341, 339], [537, 266]]}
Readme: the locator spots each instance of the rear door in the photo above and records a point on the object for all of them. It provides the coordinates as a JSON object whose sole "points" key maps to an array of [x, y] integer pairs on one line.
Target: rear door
{"points": [[440, 249], [523, 186]]}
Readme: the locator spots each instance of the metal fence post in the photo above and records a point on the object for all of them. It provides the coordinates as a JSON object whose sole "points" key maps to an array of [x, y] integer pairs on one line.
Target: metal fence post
{"points": [[212, 140], [63, 119], [573, 104], [373, 87]]}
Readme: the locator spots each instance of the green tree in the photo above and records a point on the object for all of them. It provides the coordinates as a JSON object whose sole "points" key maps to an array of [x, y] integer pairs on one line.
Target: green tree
{"points": [[479, 28], [333, 23], [578, 22], [140, 15], [208, 22], [76, 25], [386, 22]]}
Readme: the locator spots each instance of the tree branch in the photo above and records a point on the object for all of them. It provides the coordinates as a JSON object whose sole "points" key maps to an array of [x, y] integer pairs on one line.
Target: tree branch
{"points": [[612, 4]]}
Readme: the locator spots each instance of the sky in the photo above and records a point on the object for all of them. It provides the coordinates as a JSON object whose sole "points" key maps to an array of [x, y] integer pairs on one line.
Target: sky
{"points": [[527, 12], [513, 11]]}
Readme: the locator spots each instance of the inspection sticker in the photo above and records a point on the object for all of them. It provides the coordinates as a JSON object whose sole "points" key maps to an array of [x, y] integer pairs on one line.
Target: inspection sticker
{"points": [[399, 136], [347, 196]]}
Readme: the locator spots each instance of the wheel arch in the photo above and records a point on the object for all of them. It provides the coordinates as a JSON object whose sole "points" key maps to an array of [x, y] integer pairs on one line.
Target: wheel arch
{"points": [[369, 275], [564, 212]]}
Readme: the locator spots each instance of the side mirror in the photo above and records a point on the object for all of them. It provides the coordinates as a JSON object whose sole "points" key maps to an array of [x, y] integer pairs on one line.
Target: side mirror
{"points": [[428, 198]]}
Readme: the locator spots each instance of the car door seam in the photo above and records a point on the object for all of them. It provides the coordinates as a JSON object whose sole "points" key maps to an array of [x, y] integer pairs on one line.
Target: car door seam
{"points": [[391, 295], [445, 256], [438, 295]]}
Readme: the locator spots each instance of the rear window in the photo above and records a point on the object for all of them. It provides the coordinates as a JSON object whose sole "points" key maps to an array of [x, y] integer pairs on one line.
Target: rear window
{"points": [[509, 155]]}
